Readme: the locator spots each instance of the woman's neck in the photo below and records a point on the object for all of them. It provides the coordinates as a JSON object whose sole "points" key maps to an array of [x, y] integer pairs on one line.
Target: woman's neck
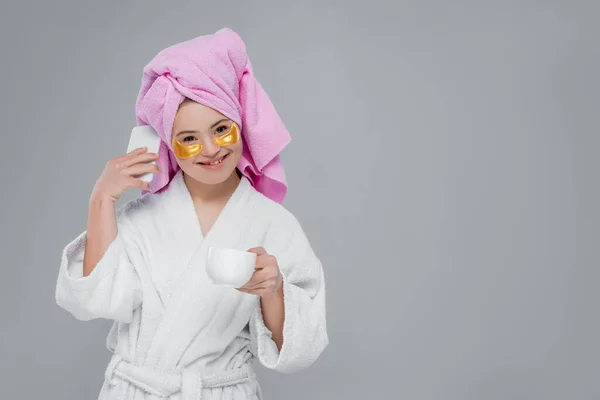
{"points": [[211, 193]]}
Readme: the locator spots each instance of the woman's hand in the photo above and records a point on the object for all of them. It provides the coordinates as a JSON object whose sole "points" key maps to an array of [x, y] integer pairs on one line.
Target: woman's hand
{"points": [[122, 172], [266, 279]]}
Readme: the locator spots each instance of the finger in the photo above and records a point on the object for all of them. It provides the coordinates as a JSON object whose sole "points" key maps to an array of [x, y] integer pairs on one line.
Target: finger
{"points": [[247, 291], [261, 278], [257, 285], [257, 282], [259, 251], [264, 261], [252, 281], [259, 265], [258, 275], [138, 183], [140, 169], [143, 158], [131, 154], [139, 150]]}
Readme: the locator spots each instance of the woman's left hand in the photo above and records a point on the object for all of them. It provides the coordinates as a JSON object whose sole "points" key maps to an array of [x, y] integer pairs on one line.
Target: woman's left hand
{"points": [[266, 279]]}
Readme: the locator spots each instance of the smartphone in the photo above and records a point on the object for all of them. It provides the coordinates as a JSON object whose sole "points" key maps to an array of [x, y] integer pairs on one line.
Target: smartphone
{"points": [[144, 136]]}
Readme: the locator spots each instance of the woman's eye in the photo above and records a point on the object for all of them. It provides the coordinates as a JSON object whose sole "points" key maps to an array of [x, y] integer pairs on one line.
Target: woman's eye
{"points": [[189, 139], [222, 129]]}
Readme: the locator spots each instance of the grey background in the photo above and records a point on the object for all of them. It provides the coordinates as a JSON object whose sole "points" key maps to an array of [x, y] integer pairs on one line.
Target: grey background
{"points": [[444, 165]]}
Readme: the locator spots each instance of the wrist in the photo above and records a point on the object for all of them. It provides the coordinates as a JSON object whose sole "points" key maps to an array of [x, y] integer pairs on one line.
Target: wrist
{"points": [[276, 296], [100, 199]]}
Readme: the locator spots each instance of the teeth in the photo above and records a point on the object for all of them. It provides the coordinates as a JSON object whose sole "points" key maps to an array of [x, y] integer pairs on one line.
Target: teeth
{"points": [[216, 162]]}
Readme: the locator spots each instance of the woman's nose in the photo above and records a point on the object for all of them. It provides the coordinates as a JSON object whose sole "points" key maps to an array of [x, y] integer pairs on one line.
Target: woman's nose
{"points": [[210, 149]]}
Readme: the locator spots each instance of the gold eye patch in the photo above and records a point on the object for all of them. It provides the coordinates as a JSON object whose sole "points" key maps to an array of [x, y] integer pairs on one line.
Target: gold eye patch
{"points": [[191, 150]]}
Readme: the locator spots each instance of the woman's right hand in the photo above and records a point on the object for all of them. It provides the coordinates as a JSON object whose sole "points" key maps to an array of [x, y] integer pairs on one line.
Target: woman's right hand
{"points": [[122, 172]]}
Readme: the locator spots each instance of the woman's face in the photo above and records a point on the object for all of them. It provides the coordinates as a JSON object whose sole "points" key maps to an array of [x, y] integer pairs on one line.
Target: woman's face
{"points": [[198, 124]]}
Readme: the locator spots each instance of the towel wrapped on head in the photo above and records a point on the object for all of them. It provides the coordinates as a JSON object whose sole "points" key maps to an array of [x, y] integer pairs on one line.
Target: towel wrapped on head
{"points": [[215, 71]]}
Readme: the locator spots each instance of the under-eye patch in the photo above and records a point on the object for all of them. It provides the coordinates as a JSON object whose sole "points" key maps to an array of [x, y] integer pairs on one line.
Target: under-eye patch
{"points": [[229, 138]]}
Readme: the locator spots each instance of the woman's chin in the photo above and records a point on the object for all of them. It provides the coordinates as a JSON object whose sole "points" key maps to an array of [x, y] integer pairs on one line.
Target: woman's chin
{"points": [[210, 177], [211, 174]]}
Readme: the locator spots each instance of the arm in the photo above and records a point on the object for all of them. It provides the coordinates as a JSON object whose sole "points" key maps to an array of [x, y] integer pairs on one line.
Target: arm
{"points": [[303, 329], [101, 231], [273, 312], [97, 276]]}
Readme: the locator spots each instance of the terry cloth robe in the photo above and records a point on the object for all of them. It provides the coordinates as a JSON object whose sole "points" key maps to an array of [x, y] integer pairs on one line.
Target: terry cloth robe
{"points": [[175, 334]]}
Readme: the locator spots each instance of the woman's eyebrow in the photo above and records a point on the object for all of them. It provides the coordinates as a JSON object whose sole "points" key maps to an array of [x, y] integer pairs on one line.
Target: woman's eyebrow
{"points": [[211, 127], [218, 122]]}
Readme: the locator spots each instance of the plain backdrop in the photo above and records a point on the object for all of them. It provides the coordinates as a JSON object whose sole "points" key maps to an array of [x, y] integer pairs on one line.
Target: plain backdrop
{"points": [[444, 165]]}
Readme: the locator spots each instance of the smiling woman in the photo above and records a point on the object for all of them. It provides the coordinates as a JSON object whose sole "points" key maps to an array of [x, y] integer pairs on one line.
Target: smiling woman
{"points": [[198, 133], [218, 183]]}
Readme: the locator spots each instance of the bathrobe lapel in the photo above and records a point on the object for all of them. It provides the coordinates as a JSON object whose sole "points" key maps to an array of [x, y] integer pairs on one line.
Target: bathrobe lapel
{"points": [[186, 312]]}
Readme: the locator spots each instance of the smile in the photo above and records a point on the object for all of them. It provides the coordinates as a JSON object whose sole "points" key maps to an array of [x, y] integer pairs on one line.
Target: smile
{"points": [[214, 163]]}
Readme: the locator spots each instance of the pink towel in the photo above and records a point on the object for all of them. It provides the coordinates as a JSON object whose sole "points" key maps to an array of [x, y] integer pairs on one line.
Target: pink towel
{"points": [[215, 71]]}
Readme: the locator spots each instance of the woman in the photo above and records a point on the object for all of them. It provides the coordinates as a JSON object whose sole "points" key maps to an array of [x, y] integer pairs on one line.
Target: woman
{"points": [[218, 181]]}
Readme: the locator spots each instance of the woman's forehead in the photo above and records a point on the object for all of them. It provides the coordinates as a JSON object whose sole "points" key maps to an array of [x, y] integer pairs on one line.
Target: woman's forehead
{"points": [[198, 115]]}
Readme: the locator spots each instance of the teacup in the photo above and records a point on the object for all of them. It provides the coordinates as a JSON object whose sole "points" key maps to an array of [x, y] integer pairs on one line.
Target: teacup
{"points": [[229, 267]]}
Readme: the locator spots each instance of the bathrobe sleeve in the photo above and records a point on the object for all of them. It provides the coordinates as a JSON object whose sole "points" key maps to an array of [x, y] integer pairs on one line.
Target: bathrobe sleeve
{"points": [[112, 290], [304, 331]]}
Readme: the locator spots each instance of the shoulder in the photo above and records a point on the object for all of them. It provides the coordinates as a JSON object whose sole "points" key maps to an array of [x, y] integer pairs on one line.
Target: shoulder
{"points": [[150, 207], [285, 236], [276, 215], [271, 210], [139, 209]]}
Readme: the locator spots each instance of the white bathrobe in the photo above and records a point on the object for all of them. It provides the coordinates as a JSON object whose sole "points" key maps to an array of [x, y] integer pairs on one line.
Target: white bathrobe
{"points": [[176, 335]]}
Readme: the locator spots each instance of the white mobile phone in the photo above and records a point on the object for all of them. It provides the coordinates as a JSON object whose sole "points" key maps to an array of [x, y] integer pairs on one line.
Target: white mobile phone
{"points": [[144, 136]]}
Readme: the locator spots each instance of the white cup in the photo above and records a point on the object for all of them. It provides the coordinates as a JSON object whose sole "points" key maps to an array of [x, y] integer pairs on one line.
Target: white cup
{"points": [[229, 267]]}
